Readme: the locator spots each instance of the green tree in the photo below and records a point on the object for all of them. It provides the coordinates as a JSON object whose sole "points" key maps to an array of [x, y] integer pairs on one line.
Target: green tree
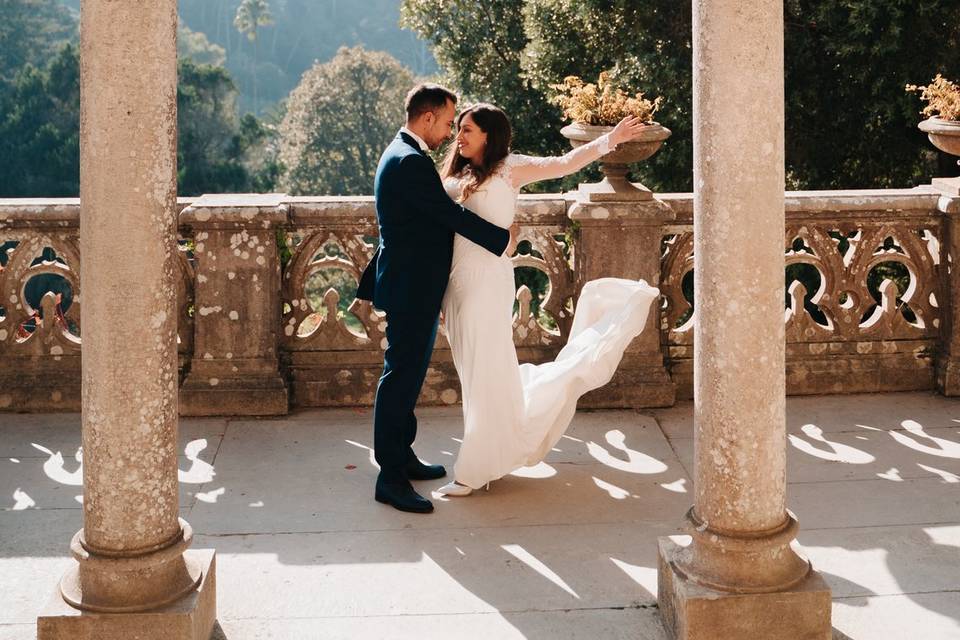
{"points": [[251, 15], [196, 46], [40, 133], [339, 119], [480, 47], [647, 46], [303, 32], [40, 130], [848, 121], [32, 32], [213, 141]]}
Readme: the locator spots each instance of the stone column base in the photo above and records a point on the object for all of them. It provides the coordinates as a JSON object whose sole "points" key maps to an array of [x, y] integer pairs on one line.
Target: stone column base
{"points": [[690, 611], [190, 618], [641, 381], [948, 377], [212, 390]]}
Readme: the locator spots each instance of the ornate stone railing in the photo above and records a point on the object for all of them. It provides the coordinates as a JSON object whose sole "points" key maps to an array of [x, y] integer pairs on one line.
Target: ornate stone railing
{"points": [[874, 320], [334, 355], [268, 319]]}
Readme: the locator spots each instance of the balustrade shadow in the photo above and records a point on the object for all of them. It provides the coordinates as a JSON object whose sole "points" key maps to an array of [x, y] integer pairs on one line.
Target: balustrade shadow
{"points": [[576, 537], [871, 475]]}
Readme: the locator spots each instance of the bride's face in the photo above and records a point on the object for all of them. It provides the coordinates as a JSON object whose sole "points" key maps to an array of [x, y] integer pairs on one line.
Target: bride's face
{"points": [[471, 140]]}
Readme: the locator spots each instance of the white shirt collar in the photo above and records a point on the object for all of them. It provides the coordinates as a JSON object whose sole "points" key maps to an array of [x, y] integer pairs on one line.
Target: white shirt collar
{"points": [[423, 145]]}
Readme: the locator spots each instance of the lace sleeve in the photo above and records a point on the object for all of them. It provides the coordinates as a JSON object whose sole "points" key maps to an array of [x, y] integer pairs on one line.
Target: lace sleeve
{"points": [[521, 170]]}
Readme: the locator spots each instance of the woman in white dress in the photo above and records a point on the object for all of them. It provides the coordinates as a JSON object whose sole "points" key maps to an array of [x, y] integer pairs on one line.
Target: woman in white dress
{"points": [[514, 414]]}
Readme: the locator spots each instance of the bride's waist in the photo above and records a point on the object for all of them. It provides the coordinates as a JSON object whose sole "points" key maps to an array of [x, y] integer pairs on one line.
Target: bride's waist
{"points": [[469, 257]]}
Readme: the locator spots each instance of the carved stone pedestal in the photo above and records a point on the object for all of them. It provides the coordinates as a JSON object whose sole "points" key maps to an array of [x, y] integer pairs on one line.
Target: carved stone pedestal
{"points": [[235, 367], [189, 618], [622, 240], [690, 611]]}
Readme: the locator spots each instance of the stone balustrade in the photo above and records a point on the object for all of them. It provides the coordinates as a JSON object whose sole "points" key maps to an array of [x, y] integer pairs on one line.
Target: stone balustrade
{"points": [[259, 333]]}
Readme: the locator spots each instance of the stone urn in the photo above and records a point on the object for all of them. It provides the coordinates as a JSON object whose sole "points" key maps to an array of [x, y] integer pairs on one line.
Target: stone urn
{"points": [[615, 187], [945, 135]]}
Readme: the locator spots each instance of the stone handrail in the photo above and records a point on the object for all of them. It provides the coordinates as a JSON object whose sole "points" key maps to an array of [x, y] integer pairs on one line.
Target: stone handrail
{"points": [[257, 335]]}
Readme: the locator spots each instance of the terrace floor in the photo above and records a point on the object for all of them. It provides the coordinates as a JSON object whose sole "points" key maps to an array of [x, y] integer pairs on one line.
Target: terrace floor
{"points": [[563, 550]]}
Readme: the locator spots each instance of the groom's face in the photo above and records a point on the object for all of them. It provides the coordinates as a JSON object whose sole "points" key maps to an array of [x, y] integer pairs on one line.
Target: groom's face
{"points": [[440, 125]]}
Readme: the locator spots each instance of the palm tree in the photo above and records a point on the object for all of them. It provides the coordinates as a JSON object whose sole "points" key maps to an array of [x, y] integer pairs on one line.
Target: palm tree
{"points": [[251, 15]]}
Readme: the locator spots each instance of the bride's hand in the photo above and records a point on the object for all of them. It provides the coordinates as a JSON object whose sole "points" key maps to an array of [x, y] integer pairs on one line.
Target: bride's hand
{"points": [[514, 237], [626, 130]]}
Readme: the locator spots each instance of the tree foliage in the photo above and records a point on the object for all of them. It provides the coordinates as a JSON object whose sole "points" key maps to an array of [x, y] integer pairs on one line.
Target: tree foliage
{"points": [[848, 121], [40, 130], [40, 133], [339, 119], [213, 141], [195, 46], [303, 32], [480, 47], [31, 32]]}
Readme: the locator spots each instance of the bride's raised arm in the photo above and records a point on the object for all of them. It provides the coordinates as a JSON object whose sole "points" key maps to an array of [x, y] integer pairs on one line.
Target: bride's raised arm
{"points": [[524, 170]]}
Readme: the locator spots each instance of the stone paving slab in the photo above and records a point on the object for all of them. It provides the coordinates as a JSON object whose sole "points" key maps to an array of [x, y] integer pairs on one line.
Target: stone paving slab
{"points": [[629, 624], [55, 482], [840, 413], [568, 551], [61, 432], [932, 616], [871, 561], [450, 571], [874, 503], [18, 631], [814, 456], [339, 500], [280, 477]]}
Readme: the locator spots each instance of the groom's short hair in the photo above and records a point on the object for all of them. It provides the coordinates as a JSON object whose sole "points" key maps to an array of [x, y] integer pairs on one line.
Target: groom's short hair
{"points": [[425, 97]]}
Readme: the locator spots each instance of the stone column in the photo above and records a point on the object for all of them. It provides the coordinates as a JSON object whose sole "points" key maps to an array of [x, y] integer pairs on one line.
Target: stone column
{"points": [[738, 577], [235, 368], [622, 240], [133, 577], [948, 355]]}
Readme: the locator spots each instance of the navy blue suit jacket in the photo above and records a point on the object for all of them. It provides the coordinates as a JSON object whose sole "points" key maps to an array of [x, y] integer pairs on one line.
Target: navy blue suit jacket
{"points": [[417, 221]]}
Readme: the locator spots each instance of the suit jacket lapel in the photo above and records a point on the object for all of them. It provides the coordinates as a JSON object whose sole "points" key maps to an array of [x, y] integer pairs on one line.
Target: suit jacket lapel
{"points": [[413, 143]]}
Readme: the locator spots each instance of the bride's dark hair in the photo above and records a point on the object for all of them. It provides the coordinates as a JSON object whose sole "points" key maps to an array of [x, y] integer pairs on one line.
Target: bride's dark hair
{"points": [[493, 122]]}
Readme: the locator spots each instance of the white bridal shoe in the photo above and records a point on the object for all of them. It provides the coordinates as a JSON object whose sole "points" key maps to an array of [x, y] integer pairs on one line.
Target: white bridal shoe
{"points": [[458, 490]]}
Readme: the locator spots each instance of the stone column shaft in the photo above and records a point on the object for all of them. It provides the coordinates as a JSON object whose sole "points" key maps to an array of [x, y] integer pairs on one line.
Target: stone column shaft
{"points": [[127, 243], [130, 552], [741, 532], [738, 225]]}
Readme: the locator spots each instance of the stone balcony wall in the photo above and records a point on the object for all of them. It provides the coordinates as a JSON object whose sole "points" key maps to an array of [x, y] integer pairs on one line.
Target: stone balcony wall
{"points": [[258, 334]]}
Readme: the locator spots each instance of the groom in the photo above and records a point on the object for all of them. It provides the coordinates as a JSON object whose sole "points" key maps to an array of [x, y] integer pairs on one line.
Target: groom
{"points": [[407, 279]]}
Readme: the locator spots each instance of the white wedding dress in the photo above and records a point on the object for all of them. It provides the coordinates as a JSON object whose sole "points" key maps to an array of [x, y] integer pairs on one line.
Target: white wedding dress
{"points": [[514, 414]]}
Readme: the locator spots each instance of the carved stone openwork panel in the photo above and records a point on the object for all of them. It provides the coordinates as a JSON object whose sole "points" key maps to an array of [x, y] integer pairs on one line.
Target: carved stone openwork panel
{"points": [[676, 288], [333, 240], [872, 278], [545, 251], [40, 293], [325, 253], [877, 280]]}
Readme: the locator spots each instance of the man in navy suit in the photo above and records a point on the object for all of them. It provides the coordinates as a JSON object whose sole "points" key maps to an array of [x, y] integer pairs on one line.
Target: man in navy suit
{"points": [[407, 279]]}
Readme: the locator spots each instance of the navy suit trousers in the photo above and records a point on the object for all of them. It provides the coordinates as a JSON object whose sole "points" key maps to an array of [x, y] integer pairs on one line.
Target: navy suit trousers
{"points": [[410, 339]]}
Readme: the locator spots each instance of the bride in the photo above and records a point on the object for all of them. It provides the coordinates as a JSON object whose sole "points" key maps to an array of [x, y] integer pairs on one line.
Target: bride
{"points": [[514, 414]]}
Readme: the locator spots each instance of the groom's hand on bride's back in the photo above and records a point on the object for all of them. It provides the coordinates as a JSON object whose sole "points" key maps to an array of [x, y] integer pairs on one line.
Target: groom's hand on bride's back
{"points": [[514, 238]]}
